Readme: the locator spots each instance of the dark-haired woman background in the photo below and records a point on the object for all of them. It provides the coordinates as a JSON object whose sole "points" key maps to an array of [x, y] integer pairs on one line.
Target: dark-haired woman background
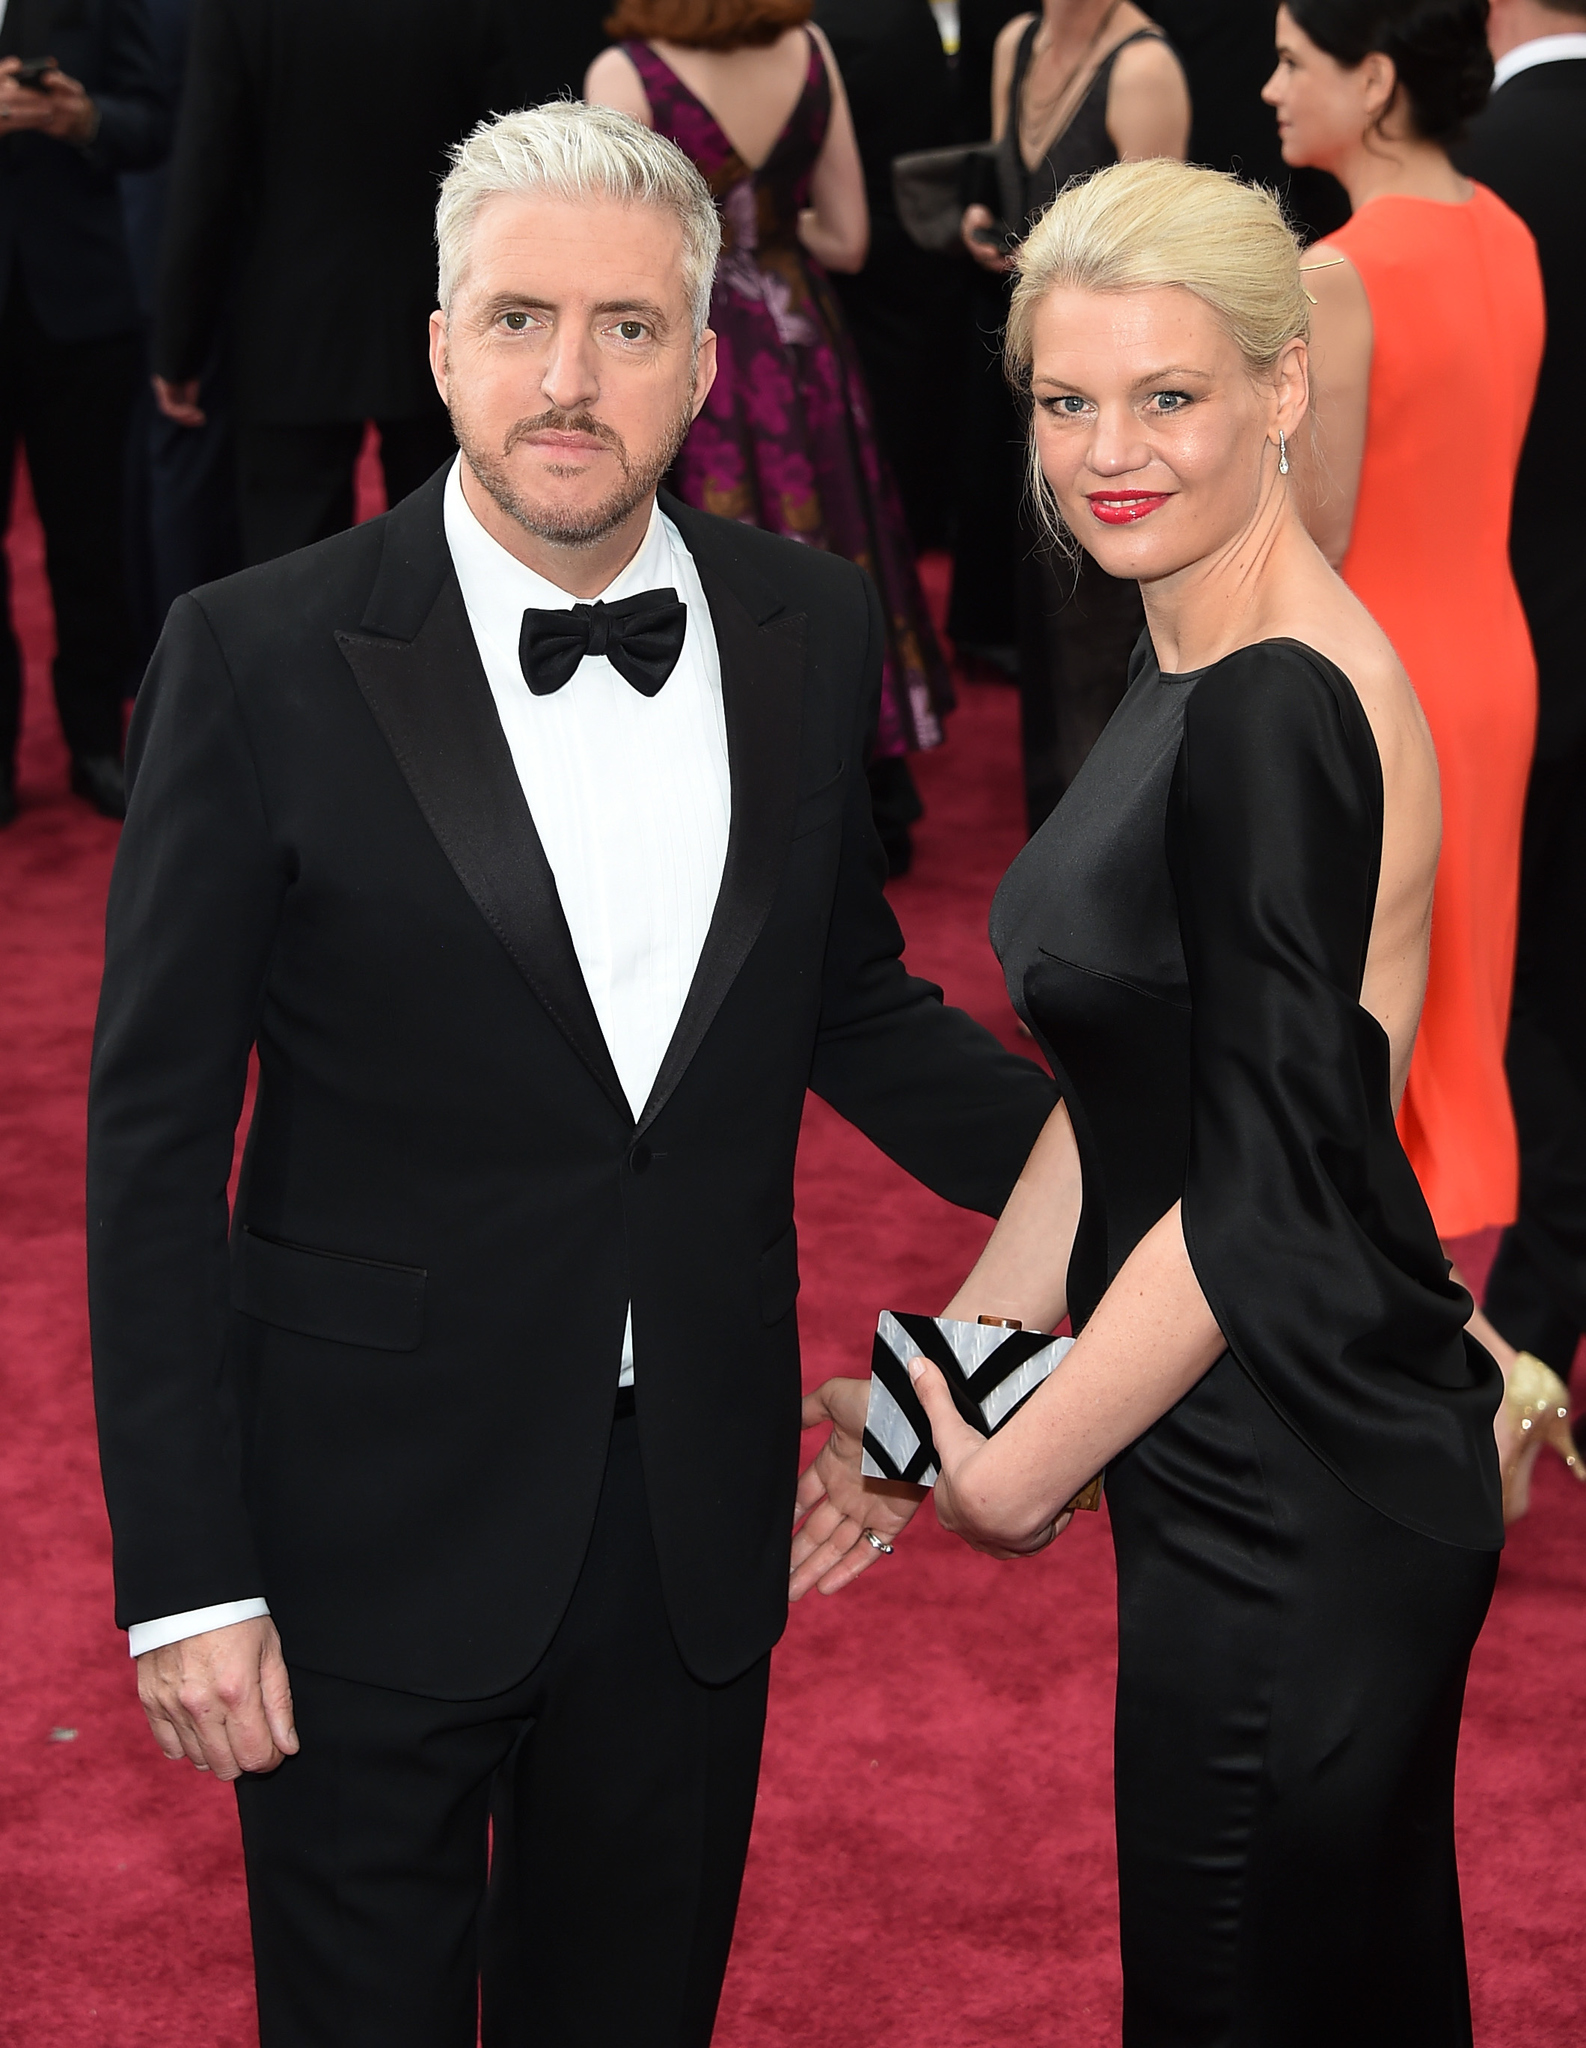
{"points": [[786, 439], [1428, 336]]}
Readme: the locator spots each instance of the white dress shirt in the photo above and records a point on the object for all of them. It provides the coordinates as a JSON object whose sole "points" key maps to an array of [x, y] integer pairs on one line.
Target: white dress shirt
{"points": [[1560, 49], [632, 800]]}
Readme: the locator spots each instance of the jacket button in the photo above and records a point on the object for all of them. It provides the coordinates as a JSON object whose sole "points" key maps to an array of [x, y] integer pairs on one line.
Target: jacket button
{"points": [[639, 1158]]}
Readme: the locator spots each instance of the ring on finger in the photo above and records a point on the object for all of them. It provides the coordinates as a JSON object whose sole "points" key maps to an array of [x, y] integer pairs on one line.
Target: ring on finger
{"points": [[881, 1549]]}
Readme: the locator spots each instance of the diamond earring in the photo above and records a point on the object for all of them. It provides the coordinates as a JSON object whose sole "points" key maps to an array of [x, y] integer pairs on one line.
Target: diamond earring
{"points": [[1283, 454]]}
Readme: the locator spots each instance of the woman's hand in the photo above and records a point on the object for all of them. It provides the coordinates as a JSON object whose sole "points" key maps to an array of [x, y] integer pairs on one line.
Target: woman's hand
{"points": [[965, 1493], [836, 1503], [989, 255]]}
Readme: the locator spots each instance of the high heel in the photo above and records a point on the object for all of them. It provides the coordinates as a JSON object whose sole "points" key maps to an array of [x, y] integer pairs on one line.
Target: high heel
{"points": [[1538, 1404]]}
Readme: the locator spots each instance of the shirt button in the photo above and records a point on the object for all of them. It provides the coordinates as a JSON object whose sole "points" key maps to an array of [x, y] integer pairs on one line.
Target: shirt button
{"points": [[639, 1159]]}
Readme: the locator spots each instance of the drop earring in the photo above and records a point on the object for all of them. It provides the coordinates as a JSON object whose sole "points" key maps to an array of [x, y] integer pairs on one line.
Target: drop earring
{"points": [[1283, 454]]}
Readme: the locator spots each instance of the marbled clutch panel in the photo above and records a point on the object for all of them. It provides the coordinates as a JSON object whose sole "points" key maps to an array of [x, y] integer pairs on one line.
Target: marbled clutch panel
{"points": [[992, 1372]]}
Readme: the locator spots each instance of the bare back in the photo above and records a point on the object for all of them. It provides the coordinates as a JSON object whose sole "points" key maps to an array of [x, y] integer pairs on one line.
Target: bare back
{"points": [[751, 94], [1303, 599]]}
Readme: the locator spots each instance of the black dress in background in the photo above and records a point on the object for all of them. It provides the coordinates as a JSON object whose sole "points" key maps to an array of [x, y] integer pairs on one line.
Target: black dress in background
{"points": [[1077, 624], [906, 308], [1307, 1541], [989, 450]]}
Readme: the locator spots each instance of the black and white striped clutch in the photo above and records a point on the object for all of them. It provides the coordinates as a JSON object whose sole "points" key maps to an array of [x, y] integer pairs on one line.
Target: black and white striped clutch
{"points": [[992, 1372]]}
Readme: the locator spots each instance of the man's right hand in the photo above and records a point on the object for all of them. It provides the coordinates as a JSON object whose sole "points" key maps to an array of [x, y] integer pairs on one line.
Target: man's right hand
{"points": [[221, 1699], [179, 402]]}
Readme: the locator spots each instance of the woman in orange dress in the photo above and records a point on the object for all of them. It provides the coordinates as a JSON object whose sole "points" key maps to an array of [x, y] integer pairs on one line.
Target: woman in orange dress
{"points": [[1427, 337]]}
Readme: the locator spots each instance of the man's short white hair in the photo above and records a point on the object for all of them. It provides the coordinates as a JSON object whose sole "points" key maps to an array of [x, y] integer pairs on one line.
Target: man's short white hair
{"points": [[569, 150]]}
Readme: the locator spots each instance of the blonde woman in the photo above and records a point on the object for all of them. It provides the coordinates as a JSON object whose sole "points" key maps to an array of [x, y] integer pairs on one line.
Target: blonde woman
{"points": [[1220, 939]]}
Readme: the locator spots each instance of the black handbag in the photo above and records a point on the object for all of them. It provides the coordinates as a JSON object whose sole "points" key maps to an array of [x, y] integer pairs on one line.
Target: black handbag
{"points": [[933, 186]]}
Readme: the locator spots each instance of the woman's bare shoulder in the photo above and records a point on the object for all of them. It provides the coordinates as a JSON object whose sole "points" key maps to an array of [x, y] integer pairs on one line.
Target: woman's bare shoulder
{"points": [[613, 80], [1008, 38], [1152, 57], [1333, 284], [1332, 620]]}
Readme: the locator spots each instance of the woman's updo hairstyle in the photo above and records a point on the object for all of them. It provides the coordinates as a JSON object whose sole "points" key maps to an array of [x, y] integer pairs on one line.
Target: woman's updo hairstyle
{"points": [[1145, 226], [1439, 51]]}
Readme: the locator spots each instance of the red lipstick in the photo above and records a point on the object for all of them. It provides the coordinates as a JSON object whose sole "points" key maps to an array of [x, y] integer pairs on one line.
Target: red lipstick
{"points": [[1123, 508]]}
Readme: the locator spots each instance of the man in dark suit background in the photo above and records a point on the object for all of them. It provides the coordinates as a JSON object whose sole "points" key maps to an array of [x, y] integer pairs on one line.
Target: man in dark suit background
{"points": [[1529, 146], [525, 832], [70, 349], [301, 209], [182, 480]]}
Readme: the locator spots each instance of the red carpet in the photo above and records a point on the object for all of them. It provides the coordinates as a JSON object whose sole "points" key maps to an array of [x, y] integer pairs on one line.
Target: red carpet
{"points": [[932, 1862]]}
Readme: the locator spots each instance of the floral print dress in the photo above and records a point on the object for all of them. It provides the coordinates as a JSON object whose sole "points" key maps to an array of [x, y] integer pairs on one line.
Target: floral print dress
{"points": [[785, 440]]}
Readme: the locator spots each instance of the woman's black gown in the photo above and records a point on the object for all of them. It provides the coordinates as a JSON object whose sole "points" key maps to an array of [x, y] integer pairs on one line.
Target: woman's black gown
{"points": [[1307, 1542]]}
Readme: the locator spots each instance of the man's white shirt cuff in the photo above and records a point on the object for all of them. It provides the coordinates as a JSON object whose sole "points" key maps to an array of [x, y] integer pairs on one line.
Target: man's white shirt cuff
{"points": [[171, 1628]]}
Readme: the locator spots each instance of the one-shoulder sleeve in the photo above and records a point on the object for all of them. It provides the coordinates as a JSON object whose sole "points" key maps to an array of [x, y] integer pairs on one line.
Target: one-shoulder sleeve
{"points": [[1303, 1220]]}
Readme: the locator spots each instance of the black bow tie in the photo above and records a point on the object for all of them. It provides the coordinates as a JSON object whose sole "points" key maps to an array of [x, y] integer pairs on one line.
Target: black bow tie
{"points": [[640, 636]]}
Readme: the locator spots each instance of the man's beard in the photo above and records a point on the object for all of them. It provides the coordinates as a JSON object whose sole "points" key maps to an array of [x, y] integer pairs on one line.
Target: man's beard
{"points": [[573, 529]]}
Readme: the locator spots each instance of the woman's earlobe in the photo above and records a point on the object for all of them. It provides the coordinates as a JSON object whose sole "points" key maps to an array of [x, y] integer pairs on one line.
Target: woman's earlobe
{"points": [[1382, 87]]}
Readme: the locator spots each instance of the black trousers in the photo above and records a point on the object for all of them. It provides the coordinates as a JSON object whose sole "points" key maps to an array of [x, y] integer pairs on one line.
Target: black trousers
{"points": [[610, 1795], [69, 403], [1291, 1671], [295, 482]]}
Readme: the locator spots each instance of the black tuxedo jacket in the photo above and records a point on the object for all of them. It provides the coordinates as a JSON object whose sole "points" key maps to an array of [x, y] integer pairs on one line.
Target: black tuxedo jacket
{"points": [[385, 1404], [61, 232], [1529, 144], [310, 147]]}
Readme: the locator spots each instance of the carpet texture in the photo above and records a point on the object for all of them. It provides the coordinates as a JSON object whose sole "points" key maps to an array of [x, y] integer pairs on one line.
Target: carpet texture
{"points": [[932, 1861]]}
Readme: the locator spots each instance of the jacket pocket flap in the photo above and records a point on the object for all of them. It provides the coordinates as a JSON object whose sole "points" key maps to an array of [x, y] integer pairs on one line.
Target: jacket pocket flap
{"points": [[779, 1277], [323, 1294]]}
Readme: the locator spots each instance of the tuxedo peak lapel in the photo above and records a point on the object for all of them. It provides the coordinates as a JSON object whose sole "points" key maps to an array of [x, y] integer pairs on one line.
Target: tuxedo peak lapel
{"points": [[415, 563], [430, 698], [724, 560], [761, 649]]}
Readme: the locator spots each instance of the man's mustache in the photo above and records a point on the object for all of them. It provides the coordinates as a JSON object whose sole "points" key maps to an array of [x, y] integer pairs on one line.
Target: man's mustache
{"points": [[558, 422]]}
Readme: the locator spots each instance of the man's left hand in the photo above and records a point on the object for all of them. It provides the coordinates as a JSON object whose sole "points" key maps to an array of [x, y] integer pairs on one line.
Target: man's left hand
{"points": [[836, 1503], [62, 110]]}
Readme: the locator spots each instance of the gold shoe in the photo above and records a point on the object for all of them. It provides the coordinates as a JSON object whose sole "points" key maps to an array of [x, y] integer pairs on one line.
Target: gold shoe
{"points": [[1538, 1404]]}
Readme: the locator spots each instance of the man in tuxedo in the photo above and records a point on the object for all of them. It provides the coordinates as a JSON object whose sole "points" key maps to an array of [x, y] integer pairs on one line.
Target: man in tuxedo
{"points": [[70, 348], [525, 833], [300, 214], [1529, 145]]}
